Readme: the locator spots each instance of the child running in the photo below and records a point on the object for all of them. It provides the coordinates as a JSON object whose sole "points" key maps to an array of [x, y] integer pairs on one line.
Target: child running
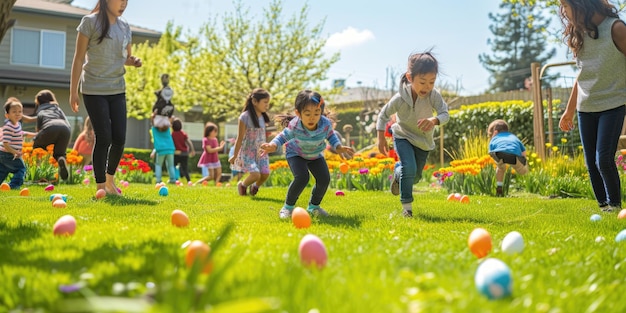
{"points": [[184, 149], [12, 138], [305, 137], [246, 157], [414, 126], [209, 160]]}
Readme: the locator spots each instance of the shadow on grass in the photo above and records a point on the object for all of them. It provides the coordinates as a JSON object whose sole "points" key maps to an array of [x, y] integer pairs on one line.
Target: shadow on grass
{"points": [[255, 198], [125, 200], [341, 221], [449, 219], [12, 236]]}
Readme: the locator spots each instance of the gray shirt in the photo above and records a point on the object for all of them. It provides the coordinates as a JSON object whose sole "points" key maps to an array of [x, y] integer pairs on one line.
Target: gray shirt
{"points": [[602, 78], [409, 112], [103, 71]]}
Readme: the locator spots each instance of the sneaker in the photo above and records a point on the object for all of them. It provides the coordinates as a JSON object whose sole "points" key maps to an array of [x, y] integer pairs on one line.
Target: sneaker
{"points": [[284, 213], [407, 213], [395, 185], [63, 168], [241, 188], [611, 208], [254, 189], [499, 192], [316, 210]]}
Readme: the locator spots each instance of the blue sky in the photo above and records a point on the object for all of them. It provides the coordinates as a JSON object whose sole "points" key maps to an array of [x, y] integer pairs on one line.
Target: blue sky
{"points": [[372, 37]]}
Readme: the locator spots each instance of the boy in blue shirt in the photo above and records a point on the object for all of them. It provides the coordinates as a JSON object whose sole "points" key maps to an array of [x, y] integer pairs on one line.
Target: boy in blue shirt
{"points": [[505, 148]]}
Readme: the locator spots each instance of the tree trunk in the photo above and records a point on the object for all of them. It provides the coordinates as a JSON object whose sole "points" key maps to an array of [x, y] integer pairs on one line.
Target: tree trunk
{"points": [[5, 11]]}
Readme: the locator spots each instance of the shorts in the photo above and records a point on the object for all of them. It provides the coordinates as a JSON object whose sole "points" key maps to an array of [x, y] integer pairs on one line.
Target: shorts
{"points": [[517, 162]]}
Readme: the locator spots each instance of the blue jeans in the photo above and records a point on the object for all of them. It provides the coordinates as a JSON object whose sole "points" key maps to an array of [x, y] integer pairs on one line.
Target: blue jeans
{"points": [[108, 117], [599, 133], [412, 161], [158, 167], [10, 165], [300, 168]]}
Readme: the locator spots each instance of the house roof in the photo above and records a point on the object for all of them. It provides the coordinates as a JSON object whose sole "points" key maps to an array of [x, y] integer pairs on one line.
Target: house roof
{"points": [[360, 94], [66, 10]]}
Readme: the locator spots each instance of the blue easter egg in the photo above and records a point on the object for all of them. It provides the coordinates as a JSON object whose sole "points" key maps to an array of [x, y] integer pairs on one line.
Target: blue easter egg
{"points": [[64, 197], [621, 236], [493, 279], [596, 217], [163, 191]]}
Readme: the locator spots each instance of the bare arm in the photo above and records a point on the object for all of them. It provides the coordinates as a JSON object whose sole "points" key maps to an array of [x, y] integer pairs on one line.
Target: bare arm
{"points": [[240, 134], [567, 119], [77, 67], [132, 60], [618, 31]]}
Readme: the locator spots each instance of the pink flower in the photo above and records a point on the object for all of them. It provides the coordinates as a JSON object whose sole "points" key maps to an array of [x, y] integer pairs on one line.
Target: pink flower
{"points": [[364, 171]]}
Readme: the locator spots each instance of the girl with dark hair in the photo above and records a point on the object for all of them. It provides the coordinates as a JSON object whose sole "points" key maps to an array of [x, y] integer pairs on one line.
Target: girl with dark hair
{"points": [[597, 37], [251, 134], [304, 137], [103, 48], [209, 160], [413, 105]]}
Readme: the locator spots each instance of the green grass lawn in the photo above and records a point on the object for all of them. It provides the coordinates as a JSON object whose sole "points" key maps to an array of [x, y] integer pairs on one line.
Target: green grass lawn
{"points": [[378, 261]]}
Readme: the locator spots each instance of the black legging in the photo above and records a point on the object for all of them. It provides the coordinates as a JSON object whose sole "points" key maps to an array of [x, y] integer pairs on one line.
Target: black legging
{"points": [[108, 117], [181, 161], [57, 135], [300, 168]]}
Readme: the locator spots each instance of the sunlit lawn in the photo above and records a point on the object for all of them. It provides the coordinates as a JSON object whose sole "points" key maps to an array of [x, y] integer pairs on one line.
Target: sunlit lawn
{"points": [[378, 261]]}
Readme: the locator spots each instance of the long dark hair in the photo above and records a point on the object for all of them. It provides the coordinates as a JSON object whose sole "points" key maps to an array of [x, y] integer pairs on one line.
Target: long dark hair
{"points": [[45, 96], [304, 98], [102, 19], [257, 94], [574, 31], [420, 64]]}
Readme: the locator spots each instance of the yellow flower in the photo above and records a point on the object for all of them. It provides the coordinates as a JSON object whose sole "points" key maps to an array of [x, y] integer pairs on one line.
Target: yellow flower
{"points": [[563, 140], [548, 145], [555, 148]]}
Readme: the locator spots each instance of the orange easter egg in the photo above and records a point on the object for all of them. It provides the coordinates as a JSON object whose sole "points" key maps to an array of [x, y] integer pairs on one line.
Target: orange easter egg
{"points": [[198, 251], [25, 192], [465, 199], [179, 218], [621, 214], [5, 187], [64, 226], [312, 251], [300, 218], [100, 194], [451, 197], [59, 203], [479, 242]]}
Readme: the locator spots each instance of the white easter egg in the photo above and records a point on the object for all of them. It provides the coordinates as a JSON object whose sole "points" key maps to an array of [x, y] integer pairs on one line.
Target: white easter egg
{"points": [[513, 243]]}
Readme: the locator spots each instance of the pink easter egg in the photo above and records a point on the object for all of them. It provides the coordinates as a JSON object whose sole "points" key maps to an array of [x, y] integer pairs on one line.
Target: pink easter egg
{"points": [[100, 194], [622, 214], [339, 193], [312, 251], [86, 181], [49, 188], [125, 184], [59, 203], [64, 226]]}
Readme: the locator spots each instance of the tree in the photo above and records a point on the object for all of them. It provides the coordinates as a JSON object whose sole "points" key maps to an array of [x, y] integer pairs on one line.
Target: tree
{"points": [[621, 4], [519, 40], [282, 56], [6, 6]]}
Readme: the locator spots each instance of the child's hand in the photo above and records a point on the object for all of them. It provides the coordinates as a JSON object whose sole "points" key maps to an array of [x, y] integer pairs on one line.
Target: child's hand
{"points": [[231, 160], [347, 150], [268, 147], [382, 146], [425, 124], [222, 143]]}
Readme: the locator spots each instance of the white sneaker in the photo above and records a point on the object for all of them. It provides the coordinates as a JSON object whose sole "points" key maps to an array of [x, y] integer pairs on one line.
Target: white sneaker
{"points": [[317, 211], [284, 213]]}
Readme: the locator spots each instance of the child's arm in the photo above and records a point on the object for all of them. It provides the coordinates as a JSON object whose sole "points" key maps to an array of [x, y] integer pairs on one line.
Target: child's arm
{"points": [[240, 134], [190, 147], [618, 32], [29, 119], [29, 134], [210, 149], [16, 154]]}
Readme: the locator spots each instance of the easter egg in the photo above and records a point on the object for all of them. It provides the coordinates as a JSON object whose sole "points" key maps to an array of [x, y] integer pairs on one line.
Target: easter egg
{"points": [[457, 196], [595, 217], [5, 187], [312, 251], [159, 185], [179, 218], [100, 194], [513, 243], [198, 251], [493, 279], [125, 184], [451, 197], [622, 214], [56, 196], [163, 191], [300, 218], [465, 199], [64, 226], [86, 181], [621, 236], [49, 188], [25, 192], [59, 203], [479, 242], [339, 193]]}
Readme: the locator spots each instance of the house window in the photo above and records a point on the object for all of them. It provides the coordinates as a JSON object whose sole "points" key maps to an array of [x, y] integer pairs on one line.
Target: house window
{"points": [[44, 48]]}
